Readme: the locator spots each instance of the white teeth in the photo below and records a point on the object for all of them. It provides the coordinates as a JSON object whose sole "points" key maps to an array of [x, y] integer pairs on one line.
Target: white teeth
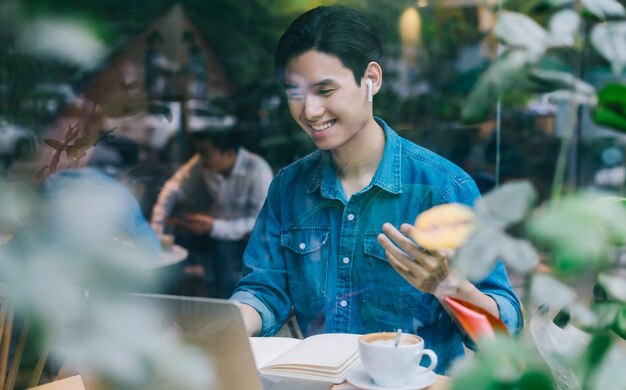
{"points": [[322, 127]]}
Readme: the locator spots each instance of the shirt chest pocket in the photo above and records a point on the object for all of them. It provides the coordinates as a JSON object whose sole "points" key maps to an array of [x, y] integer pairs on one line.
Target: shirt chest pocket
{"points": [[306, 253], [390, 297]]}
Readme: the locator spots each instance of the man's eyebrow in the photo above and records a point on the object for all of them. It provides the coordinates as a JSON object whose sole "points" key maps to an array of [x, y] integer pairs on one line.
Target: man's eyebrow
{"points": [[321, 83], [324, 82]]}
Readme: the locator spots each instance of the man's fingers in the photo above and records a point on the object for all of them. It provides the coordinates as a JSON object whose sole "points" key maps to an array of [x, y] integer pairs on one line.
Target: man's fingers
{"points": [[409, 247], [397, 264], [399, 259]]}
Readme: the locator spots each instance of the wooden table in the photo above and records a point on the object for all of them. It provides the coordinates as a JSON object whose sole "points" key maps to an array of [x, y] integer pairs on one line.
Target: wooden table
{"points": [[441, 383], [72, 383]]}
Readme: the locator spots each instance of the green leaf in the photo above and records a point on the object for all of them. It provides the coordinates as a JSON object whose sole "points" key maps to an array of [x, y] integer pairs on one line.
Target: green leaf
{"points": [[606, 313], [614, 286], [476, 257], [578, 229], [520, 31], [609, 371], [508, 204], [473, 375], [604, 8], [520, 255], [609, 39], [562, 27], [613, 94], [546, 290], [501, 76], [611, 109], [564, 86], [606, 117], [535, 380], [597, 348], [582, 316], [558, 3], [619, 324]]}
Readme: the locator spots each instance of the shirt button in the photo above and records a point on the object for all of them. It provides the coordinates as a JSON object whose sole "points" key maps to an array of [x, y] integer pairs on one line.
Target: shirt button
{"points": [[346, 260], [343, 303], [350, 217], [302, 245]]}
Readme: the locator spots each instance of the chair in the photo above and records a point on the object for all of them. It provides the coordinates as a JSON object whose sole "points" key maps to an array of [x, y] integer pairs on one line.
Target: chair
{"points": [[9, 369], [6, 329]]}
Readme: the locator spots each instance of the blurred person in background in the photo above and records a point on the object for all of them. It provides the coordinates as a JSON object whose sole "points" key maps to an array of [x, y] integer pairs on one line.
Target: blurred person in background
{"points": [[211, 204]]}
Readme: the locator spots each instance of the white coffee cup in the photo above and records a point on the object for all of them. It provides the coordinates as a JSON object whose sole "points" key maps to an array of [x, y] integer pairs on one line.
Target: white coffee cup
{"points": [[390, 365]]}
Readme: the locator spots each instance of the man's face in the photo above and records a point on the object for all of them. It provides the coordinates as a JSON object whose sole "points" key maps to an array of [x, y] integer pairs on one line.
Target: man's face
{"points": [[213, 159], [325, 100]]}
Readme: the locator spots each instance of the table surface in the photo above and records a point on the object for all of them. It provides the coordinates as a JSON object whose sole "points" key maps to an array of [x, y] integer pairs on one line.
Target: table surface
{"points": [[71, 383], [441, 383]]}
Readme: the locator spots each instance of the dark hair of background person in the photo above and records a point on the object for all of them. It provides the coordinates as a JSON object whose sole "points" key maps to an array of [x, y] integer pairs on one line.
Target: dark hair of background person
{"points": [[222, 140], [335, 30]]}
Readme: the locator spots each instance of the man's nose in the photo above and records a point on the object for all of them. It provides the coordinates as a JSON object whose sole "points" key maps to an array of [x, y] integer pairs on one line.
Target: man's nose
{"points": [[313, 109]]}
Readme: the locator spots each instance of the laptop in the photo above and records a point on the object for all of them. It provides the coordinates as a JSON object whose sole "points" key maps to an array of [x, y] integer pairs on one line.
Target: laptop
{"points": [[216, 327]]}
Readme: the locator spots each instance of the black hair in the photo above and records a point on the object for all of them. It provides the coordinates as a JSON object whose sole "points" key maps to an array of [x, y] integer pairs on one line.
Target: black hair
{"points": [[335, 30], [221, 140]]}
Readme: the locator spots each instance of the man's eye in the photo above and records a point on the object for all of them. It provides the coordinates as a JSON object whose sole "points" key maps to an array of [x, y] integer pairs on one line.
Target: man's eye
{"points": [[293, 95], [325, 91]]}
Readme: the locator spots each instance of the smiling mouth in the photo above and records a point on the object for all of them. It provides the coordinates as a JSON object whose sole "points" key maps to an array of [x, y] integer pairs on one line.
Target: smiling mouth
{"points": [[323, 126]]}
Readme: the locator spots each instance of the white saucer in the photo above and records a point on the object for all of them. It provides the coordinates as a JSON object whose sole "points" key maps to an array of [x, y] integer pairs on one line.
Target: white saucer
{"points": [[359, 378]]}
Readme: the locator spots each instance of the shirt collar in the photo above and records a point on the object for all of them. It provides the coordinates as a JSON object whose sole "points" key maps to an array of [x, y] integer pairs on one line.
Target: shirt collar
{"points": [[239, 168], [387, 177]]}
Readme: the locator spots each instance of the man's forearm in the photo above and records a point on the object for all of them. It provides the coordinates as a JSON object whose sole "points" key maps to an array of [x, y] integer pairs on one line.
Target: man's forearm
{"points": [[251, 319], [460, 287]]}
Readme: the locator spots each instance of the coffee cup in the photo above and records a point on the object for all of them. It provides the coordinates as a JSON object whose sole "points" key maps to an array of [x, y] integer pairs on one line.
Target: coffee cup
{"points": [[391, 365]]}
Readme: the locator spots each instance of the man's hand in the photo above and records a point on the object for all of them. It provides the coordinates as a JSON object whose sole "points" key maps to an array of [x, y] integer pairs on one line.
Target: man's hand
{"points": [[425, 271], [430, 272], [197, 223]]}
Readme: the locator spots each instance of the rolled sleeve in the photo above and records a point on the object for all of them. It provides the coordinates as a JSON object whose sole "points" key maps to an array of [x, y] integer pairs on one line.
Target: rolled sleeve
{"points": [[497, 286], [270, 326]]}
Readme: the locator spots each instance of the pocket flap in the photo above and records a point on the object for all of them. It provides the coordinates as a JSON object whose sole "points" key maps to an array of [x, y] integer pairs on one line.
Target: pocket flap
{"points": [[303, 240], [372, 247]]}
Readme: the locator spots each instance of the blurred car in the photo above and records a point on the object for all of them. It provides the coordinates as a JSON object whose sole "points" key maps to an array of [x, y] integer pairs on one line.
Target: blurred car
{"points": [[163, 124], [159, 128], [16, 142], [202, 115], [48, 99]]}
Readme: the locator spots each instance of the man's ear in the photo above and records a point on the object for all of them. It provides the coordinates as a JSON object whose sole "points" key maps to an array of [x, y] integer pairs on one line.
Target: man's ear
{"points": [[231, 153], [375, 73]]}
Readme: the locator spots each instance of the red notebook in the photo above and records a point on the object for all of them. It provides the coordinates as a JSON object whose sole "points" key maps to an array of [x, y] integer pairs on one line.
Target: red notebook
{"points": [[475, 321]]}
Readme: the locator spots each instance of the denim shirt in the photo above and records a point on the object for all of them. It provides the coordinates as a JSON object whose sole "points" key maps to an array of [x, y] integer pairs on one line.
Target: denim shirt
{"points": [[314, 251]]}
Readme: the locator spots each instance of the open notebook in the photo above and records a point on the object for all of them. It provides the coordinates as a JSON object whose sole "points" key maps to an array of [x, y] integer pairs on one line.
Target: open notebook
{"points": [[324, 357]]}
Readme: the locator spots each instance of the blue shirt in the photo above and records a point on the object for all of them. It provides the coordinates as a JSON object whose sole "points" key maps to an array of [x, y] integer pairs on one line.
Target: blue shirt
{"points": [[315, 251]]}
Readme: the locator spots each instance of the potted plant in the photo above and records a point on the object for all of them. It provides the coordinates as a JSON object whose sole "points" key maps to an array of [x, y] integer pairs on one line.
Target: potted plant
{"points": [[570, 248]]}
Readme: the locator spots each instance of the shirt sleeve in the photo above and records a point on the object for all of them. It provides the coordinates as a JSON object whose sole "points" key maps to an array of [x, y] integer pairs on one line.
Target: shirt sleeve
{"points": [[264, 286], [173, 190], [238, 228]]}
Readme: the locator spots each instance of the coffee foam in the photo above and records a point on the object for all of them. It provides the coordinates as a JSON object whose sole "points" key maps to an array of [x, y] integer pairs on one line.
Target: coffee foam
{"points": [[389, 338]]}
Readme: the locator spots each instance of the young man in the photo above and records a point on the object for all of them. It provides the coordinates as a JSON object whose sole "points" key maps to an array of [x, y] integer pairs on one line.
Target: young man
{"points": [[325, 245], [214, 200]]}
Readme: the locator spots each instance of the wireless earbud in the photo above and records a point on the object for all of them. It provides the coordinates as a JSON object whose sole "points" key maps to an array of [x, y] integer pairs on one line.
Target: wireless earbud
{"points": [[370, 94]]}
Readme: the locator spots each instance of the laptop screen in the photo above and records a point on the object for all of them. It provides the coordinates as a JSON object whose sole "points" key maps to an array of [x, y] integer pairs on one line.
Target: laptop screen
{"points": [[216, 327]]}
